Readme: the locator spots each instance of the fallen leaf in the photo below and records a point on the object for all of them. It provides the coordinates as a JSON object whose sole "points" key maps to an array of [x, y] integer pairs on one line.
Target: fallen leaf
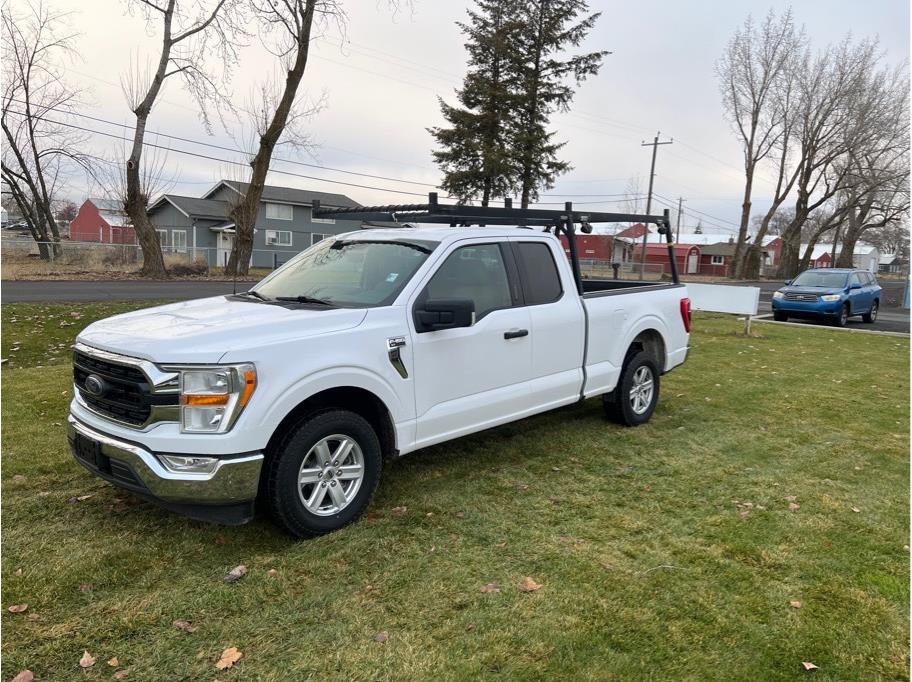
{"points": [[113, 662], [18, 608], [790, 498], [554, 500], [24, 676], [808, 665], [18, 571], [235, 573], [555, 468], [795, 604], [18, 478], [470, 627], [528, 585], [120, 674], [184, 625], [83, 498], [220, 539], [856, 510], [229, 657], [84, 587], [521, 486], [381, 636], [460, 515], [794, 506], [399, 511], [272, 573], [87, 660], [490, 587], [744, 513]]}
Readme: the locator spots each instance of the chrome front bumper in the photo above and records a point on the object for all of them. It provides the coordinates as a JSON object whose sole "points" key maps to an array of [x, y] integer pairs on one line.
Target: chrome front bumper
{"points": [[128, 465]]}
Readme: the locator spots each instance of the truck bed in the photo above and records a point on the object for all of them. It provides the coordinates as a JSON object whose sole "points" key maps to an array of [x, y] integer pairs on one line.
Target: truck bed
{"points": [[593, 288]]}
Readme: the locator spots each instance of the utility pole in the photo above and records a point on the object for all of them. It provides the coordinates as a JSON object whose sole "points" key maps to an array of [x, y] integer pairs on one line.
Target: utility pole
{"points": [[678, 228], [652, 169]]}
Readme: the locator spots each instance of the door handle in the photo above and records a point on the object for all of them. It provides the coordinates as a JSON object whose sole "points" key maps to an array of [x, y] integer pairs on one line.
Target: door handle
{"points": [[516, 333]]}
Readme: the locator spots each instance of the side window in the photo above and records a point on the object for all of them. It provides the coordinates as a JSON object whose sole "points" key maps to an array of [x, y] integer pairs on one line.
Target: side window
{"points": [[475, 272], [855, 279], [541, 281]]}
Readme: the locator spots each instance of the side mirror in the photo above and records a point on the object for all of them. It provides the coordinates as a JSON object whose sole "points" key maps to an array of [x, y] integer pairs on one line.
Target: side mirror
{"points": [[854, 285], [787, 282], [444, 313]]}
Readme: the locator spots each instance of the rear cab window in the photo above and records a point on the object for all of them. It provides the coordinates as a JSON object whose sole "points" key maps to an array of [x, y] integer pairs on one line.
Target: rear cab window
{"points": [[540, 277]]}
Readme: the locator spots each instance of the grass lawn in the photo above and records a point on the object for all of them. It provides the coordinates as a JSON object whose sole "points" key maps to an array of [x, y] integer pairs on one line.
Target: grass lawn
{"points": [[669, 551]]}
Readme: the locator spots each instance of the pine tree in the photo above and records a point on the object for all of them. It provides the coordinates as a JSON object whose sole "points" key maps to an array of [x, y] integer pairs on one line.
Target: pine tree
{"points": [[546, 84], [474, 154]]}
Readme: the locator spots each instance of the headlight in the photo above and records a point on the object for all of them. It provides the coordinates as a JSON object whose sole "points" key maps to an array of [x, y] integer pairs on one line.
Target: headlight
{"points": [[829, 298], [778, 294], [213, 398]]}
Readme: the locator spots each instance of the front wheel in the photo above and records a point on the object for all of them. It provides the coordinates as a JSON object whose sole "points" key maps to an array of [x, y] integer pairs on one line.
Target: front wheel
{"points": [[871, 315], [780, 316], [323, 474], [634, 399], [843, 318]]}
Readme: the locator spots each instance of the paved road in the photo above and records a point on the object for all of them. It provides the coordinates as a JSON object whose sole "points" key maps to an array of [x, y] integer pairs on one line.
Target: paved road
{"points": [[52, 291], [891, 318]]}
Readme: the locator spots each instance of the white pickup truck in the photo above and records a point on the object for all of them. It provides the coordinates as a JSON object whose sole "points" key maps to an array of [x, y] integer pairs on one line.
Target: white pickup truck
{"points": [[365, 347]]}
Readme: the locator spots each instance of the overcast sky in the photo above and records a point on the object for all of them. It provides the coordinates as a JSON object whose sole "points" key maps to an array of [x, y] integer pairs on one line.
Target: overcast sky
{"points": [[381, 93]]}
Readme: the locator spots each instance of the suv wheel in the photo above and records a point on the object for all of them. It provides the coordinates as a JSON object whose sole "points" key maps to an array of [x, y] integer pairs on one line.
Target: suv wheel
{"points": [[871, 315], [843, 316], [780, 316], [634, 399], [323, 474]]}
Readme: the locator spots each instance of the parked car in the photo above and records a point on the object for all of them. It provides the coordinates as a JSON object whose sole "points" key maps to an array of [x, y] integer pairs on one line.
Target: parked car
{"points": [[365, 347], [831, 294]]}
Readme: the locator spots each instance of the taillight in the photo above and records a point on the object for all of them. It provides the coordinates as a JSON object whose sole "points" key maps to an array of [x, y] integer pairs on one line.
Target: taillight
{"points": [[685, 314]]}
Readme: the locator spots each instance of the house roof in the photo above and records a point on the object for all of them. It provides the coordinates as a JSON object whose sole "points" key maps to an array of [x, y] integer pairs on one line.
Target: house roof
{"points": [[662, 249], [107, 204], [720, 249], [633, 231], [290, 195], [700, 238], [193, 207]]}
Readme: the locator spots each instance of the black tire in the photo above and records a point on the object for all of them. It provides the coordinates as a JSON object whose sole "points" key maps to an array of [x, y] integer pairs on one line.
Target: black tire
{"points": [[843, 317], [871, 316], [780, 316], [618, 407], [283, 493]]}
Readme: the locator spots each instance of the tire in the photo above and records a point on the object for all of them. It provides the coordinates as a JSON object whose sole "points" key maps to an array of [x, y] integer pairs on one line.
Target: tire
{"points": [[620, 403], [303, 452], [843, 316], [871, 316], [780, 316]]}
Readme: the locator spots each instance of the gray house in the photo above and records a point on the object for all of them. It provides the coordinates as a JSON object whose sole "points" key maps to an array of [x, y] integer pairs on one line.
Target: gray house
{"points": [[200, 227]]}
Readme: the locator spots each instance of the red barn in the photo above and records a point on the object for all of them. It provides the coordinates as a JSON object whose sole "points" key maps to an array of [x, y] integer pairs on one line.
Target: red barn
{"points": [[687, 257], [102, 220], [591, 246], [716, 259], [635, 231]]}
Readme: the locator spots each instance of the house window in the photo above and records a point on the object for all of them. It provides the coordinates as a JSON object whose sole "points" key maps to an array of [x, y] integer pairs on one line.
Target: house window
{"points": [[315, 237], [179, 240], [718, 260], [162, 237], [328, 221], [279, 211], [278, 238]]}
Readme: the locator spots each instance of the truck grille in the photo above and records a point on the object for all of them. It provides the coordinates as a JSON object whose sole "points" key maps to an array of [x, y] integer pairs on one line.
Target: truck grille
{"points": [[125, 396], [809, 298]]}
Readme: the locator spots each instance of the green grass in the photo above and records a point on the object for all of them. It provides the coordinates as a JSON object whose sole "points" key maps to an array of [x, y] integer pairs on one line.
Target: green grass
{"points": [[649, 566]]}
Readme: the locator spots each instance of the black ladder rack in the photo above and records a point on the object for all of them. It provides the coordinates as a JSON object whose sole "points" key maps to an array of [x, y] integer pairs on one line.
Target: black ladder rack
{"points": [[462, 215]]}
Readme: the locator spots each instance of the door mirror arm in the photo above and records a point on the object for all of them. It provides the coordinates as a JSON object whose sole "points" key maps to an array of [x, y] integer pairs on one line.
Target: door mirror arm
{"points": [[444, 313]]}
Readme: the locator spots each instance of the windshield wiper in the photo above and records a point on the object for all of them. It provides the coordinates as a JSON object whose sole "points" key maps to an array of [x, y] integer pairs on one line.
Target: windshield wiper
{"points": [[305, 299], [254, 294]]}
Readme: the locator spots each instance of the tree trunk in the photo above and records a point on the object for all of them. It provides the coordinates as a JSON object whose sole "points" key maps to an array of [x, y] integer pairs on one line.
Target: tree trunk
{"points": [[245, 211], [847, 253], [741, 243], [532, 111], [790, 254]]}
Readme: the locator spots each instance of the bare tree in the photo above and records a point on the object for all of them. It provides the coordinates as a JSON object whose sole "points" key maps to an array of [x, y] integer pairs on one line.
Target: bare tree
{"points": [[40, 149], [290, 24], [191, 31], [749, 71]]}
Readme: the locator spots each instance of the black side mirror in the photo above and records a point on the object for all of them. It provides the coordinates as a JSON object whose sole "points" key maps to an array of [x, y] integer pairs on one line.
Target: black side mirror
{"points": [[787, 282], [444, 313]]}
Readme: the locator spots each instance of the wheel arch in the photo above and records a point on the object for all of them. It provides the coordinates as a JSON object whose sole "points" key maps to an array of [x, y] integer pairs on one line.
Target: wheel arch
{"points": [[651, 341]]}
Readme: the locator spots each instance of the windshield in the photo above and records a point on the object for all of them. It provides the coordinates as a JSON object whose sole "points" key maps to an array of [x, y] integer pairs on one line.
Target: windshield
{"points": [[348, 274], [833, 280]]}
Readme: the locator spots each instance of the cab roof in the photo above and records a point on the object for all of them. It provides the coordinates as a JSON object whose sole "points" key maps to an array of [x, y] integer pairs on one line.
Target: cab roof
{"points": [[440, 233]]}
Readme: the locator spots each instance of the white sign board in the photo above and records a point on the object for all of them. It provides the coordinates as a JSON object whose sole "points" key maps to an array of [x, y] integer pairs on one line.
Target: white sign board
{"points": [[723, 298]]}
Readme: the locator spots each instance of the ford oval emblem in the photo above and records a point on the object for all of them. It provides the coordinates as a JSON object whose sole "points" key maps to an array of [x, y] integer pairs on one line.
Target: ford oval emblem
{"points": [[94, 384]]}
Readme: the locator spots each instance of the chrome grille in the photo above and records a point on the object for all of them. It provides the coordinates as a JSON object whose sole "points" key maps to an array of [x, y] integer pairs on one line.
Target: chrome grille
{"points": [[808, 298], [127, 395]]}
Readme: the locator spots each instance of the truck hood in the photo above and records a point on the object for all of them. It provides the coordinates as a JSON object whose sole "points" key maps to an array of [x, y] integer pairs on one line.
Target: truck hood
{"points": [[206, 329]]}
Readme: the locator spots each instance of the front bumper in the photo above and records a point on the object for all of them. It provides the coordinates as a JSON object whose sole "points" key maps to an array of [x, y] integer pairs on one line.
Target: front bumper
{"points": [[226, 495], [808, 308]]}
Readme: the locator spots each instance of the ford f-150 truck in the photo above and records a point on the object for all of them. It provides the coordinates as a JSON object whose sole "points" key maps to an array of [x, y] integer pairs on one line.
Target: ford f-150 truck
{"points": [[365, 347]]}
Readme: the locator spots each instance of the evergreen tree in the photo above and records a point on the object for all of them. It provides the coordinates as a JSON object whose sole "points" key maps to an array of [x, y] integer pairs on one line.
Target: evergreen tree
{"points": [[546, 83], [474, 154]]}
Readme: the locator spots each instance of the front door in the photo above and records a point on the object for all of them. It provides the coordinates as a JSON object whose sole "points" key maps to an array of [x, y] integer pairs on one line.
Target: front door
{"points": [[470, 378], [224, 245], [692, 259]]}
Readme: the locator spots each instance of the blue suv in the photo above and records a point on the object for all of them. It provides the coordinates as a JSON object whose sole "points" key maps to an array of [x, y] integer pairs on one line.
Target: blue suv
{"points": [[830, 294]]}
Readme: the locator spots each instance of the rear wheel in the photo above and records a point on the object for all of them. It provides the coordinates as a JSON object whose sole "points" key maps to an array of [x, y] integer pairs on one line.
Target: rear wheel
{"points": [[871, 315], [634, 399], [323, 474], [843, 318], [780, 316]]}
